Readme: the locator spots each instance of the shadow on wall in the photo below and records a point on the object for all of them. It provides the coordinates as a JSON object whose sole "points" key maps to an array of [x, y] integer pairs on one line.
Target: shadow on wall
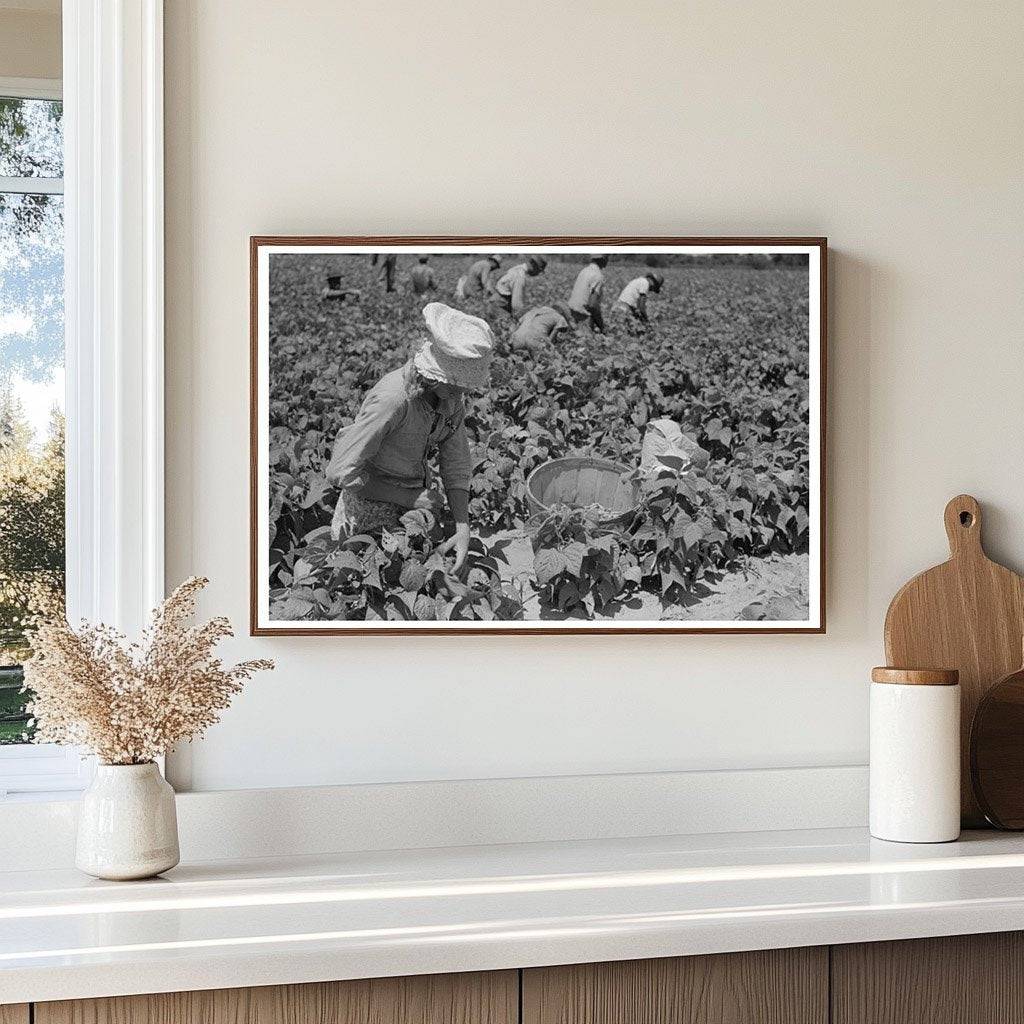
{"points": [[854, 286]]}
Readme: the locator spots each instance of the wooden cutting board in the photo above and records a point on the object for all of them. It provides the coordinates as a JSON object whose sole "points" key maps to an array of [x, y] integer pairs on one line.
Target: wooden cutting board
{"points": [[967, 614], [997, 752]]}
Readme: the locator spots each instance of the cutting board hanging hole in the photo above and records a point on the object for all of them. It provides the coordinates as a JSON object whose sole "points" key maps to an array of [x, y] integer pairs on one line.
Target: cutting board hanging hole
{"points": [[963, 525]]}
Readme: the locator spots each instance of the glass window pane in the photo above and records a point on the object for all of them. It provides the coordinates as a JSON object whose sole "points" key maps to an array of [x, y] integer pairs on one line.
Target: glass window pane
{"points": [[31, 138], [31, 433]]}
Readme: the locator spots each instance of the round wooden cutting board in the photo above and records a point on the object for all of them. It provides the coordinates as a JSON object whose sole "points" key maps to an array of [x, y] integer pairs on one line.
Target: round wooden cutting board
{"points": [[997, 752], [967, 614]]}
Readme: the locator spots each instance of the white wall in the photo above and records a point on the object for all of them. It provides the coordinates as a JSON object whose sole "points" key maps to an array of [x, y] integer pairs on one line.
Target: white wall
{"points": [[895, 129]]}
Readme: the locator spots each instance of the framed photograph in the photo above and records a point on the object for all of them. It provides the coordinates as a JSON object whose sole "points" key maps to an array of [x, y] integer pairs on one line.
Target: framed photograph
{"points": [[537, 435]]}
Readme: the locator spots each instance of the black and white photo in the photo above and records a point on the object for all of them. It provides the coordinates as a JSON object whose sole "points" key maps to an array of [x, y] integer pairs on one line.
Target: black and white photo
{"points": [[503, 435]]}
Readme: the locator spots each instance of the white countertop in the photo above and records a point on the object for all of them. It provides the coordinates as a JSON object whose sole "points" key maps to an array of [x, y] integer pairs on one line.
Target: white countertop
{"points": [[261, 922]]}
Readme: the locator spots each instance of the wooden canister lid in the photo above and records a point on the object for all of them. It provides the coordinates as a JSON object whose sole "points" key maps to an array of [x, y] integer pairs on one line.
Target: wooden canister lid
{"points": [[916, 676]]}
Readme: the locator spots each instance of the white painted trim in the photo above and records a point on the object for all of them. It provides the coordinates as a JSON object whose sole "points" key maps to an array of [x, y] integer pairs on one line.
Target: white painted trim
{"points": [[113, 85], [43, 770], [241, 824], [31, 88], [32, 186]]}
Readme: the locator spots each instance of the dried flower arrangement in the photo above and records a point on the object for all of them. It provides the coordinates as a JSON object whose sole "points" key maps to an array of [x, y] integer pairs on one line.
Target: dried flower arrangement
{"points": [[129, 703]]}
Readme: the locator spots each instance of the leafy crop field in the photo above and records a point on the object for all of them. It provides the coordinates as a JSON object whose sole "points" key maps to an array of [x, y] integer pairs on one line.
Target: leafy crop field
{"points": [[726, 356]]}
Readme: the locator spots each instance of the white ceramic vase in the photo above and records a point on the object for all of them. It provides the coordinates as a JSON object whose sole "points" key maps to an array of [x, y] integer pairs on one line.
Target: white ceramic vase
{"points": [[127, 825]]}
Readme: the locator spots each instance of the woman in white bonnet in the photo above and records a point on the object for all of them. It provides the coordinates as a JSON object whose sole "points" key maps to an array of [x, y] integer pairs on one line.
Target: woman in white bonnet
{"points": [[381, 461]]}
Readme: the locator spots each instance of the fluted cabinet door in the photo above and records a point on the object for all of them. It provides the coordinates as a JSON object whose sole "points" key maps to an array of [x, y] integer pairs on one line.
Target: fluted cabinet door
{"points": [[482, 998], [961, 979], [14, 1013], [777, 986]]}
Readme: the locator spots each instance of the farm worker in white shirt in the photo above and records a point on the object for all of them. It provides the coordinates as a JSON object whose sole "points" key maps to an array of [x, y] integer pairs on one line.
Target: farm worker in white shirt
{"points": [[510, 291], [540, 325], [585, 301], [478, 278], [633, 298]]}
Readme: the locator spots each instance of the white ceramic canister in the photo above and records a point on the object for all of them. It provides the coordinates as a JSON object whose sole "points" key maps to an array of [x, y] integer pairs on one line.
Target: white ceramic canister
{"points": [[915, 755], [127, 825]]}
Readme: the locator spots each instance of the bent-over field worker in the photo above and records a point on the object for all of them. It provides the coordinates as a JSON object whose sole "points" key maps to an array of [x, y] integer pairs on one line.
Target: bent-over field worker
{"points": [[422, 277], [539, 326], [632, 300], [335, 291], [585, 300], [479, 277], [510, 291], [380, 461]]}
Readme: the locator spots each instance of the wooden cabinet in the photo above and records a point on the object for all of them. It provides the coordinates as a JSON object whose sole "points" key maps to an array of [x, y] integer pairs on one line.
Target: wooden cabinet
{"points": [[963, 979], [777, 986], [970, 979], [491, 998]]}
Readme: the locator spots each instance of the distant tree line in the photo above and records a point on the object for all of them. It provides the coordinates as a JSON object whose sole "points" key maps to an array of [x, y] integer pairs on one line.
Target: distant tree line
{"points": [[31, 547], [753, 260]]}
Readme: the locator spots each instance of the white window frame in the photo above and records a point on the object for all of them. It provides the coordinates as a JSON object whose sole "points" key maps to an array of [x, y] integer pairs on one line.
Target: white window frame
{"points": [[31, 89], [114, 324]]}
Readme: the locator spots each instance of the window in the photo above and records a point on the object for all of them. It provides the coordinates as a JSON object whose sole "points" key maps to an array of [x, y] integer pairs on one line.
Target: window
{"points": [[92, 172], [32, 514]]}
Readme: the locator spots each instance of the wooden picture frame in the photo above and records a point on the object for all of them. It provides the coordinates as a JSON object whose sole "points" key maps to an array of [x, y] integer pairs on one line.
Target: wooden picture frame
{"points": [[631, 250]]}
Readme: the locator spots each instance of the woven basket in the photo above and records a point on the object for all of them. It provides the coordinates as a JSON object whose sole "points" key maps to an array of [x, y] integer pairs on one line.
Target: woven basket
{"points": [[578, 482]]}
